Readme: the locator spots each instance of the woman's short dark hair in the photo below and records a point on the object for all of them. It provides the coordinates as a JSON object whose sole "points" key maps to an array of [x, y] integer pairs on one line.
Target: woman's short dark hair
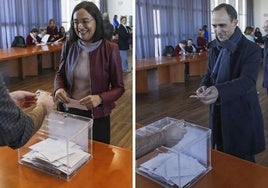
{"points": [[229, 9], [94, 11], [34, 30]]}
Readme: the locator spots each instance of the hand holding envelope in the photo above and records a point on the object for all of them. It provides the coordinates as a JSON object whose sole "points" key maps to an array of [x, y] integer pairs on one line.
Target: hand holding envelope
{"points": [[206, 95]]}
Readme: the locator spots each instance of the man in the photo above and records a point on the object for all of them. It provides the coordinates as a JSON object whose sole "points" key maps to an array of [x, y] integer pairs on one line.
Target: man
{"points": [[123, 42], [229, 87], [265, 56], [108, 27], [16, 126], [191, 47]]}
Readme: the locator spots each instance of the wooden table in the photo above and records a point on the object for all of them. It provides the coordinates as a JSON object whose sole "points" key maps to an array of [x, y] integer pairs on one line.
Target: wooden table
{"points": [[227, 172], [110, 167], [29, 61], [169, 69]]}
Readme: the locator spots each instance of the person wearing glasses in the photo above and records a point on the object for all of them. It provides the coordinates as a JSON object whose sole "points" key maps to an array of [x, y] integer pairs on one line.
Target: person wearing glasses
{"points": [[90, 71]]}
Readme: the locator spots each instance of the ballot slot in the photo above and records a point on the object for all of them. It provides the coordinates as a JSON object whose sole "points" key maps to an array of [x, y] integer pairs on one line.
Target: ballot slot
{"points": [[60, 147], [182, 164]]}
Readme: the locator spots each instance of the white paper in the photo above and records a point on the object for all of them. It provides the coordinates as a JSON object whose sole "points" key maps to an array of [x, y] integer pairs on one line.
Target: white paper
{"points": [[52, 154], [75, 104]]}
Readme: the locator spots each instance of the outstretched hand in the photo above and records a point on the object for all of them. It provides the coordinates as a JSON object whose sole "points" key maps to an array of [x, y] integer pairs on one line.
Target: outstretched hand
{"points": [[23, 99]]}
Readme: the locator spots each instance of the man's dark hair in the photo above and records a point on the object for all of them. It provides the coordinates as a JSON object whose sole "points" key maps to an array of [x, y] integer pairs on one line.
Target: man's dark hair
{"points": [[229, 9]]}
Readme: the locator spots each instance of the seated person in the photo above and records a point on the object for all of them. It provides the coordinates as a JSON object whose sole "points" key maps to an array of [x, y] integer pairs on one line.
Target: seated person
{"points": [[52, 30], [33, 38], [62, 34], [190, 48], [180, 48]]}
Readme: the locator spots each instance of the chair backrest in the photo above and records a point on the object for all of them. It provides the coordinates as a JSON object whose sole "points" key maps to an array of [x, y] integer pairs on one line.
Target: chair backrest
{"points": [[168, 51], [18, 42]]}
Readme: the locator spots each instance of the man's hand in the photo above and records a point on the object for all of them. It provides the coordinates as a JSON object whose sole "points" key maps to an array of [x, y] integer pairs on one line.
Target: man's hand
{"points": [[23, 99], [209, 95], [173, 134]]}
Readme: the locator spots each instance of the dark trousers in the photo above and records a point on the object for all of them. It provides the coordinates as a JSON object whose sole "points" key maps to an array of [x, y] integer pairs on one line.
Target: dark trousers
{"points": [[101, 126]]}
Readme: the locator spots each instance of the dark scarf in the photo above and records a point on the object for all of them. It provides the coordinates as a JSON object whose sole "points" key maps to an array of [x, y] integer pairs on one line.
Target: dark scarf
{"points": [[221, 69]]}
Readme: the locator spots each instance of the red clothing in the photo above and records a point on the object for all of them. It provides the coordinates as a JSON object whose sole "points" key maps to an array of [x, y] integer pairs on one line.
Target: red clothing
{"points": [[53, 32], [29, 40], [105, 70], [178, 50], [201, 43]]}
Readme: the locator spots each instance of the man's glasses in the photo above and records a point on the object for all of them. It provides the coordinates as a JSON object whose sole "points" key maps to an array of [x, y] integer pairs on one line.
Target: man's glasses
{"points": [[84, 21]]}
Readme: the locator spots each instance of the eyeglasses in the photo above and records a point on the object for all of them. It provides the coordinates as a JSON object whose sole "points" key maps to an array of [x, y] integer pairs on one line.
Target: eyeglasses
{"points": [[84, 21]]}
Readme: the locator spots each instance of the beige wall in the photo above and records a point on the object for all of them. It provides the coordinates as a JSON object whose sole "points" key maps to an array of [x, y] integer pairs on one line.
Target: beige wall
{"points": [[260, 13]]}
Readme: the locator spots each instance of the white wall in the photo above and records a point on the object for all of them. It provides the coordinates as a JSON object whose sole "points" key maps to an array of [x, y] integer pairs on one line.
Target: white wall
{"points": [[260, 13], [121, 8]]}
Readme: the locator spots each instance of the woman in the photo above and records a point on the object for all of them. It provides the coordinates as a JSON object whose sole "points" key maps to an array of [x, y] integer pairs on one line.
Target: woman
{"points": [[201, 41], [249, 33], [90, 70], [62, 34], [33, 38], [52, 30]]}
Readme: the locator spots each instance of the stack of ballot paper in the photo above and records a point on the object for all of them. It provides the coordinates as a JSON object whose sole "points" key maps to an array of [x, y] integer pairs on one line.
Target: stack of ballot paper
{"points": [[53, 156], [165, 167]]}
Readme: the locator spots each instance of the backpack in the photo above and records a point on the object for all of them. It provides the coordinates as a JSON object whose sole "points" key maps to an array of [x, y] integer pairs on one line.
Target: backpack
{"points": [[18, 42], [168, 51]]}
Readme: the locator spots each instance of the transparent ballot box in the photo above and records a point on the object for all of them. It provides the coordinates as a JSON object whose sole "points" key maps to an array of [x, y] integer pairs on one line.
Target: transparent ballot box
{"points": [[183, 163], [60, 147]]}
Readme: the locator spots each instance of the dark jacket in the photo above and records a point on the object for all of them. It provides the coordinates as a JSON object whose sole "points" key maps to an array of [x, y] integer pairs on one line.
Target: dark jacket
{"points": [[265, 62], [123, 38], [108, 30], [106, 74], [241, 116]]}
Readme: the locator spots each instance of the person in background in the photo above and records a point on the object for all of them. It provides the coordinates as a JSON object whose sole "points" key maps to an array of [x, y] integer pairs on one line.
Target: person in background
{"points": [[206, 34], [108, 27], [90, 71], [52, 30], [249, 33], [115, 23], [33, 38], [43, 32], [17, 126], [265, 56], [201, 41], [258, 36], [62, 34], [190, 47], [229, 87], [123, 42], [180, 49]]}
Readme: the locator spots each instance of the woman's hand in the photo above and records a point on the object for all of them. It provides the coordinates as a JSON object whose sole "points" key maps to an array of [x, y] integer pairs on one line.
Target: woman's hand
{"points": [[61, 96], [91, 101]]}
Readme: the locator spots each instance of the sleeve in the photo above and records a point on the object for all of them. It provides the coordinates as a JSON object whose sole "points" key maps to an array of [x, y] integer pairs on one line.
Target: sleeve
{"points": [[16, 127], [116, 77], [60, 76]]}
